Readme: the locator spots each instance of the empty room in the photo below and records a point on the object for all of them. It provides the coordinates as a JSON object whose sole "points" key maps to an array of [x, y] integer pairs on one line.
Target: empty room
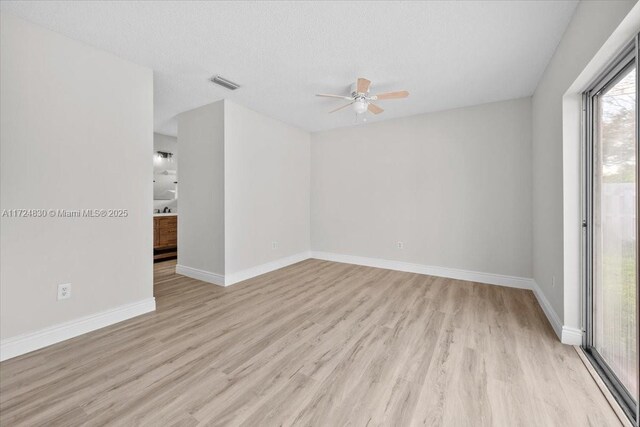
{"points": [[319, 213]]}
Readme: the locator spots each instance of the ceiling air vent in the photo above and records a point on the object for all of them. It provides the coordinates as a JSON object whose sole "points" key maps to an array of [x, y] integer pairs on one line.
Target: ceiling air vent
{"points": [[221, 81]]}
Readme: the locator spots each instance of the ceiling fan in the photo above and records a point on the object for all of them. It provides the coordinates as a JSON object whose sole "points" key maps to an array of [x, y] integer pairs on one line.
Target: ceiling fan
{"points": [[361, 100]]}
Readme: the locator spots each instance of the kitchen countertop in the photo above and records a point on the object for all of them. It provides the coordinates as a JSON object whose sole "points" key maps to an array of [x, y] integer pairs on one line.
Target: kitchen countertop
{"points": [[166, 214]]}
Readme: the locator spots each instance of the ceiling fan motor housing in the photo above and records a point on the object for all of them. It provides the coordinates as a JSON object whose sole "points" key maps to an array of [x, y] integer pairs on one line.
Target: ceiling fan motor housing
{"points": [[355, 93]]}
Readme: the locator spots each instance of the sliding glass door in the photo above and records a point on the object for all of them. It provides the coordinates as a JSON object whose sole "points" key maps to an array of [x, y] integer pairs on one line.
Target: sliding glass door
{"points": [[612, 228]]}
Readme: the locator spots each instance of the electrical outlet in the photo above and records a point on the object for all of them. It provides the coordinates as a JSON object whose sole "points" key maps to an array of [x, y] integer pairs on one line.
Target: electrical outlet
{"points": [[64, 291], [274, 245], [400, 245]]}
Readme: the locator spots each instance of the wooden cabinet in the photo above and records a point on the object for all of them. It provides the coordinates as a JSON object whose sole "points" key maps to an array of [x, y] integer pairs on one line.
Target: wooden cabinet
{"points": [[165, 236]]}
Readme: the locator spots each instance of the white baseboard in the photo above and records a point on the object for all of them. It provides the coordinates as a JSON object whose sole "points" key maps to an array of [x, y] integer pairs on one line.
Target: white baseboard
{"points": [[25, 343], [567, 334], [205, 276], [571, 336], [451, 273], [551, 314], [239, 276]]}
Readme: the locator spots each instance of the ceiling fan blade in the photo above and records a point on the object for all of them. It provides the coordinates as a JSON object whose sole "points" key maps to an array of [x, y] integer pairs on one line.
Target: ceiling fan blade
{"points": [[340, 108], [363, 85], [391, 95], [375, 109], [327, 95]]}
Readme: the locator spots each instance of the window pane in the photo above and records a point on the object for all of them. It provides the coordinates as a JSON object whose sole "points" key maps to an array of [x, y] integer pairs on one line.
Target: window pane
{"points": [[614, 284]]}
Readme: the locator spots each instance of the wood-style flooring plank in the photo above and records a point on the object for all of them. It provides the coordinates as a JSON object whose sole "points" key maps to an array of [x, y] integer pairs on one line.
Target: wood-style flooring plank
{"points": [[313, 344]]}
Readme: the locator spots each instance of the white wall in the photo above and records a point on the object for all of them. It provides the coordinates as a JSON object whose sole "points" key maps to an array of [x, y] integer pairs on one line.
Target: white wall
{"points": [[591, 25], [201, 220], [67, 109], [453, 186], [266, 189]]}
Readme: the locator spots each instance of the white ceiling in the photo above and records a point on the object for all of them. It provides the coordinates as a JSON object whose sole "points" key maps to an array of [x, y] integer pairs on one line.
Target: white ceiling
{"points": [[448, 54]]}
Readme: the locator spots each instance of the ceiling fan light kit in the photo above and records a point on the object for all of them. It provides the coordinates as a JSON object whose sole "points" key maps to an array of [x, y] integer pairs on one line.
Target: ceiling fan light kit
{"points": [[360, 106], [361, 100]]}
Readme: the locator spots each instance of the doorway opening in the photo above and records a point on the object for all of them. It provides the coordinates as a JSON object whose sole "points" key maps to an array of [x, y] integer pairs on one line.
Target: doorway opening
{"points": [[165, 197]]}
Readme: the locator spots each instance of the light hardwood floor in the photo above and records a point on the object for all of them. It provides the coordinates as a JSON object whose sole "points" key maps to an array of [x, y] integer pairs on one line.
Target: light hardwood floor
{"points": [[314, 344]]}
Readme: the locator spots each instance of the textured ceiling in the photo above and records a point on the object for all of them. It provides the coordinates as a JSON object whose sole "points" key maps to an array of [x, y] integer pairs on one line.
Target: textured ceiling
{"points": [[447, 54]]}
